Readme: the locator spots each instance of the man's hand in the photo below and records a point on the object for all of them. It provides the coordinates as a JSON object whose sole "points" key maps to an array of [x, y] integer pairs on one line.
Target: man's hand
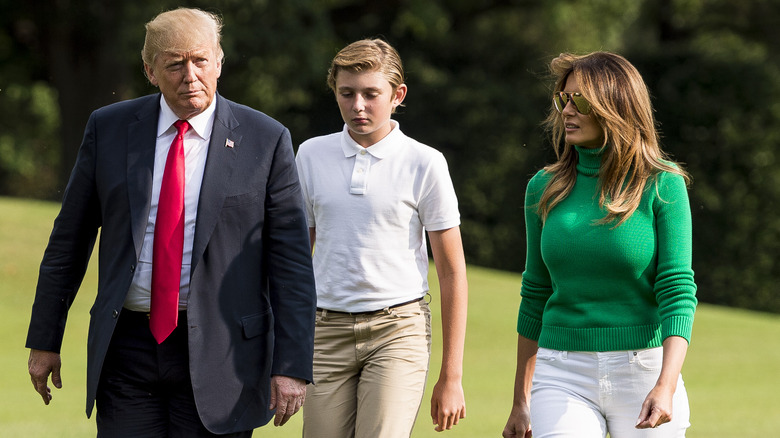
{"points": [[287, 396], [41, 364]]}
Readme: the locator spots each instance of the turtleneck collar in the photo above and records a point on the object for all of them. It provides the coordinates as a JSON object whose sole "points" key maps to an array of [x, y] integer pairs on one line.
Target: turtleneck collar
{"points": [[589, 160]]}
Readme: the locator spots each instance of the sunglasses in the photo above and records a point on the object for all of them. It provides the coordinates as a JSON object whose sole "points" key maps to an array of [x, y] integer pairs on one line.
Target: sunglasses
{"points": [[562, 98]]}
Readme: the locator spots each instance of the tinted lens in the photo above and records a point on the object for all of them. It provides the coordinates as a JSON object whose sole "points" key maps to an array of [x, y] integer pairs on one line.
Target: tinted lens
{"points": [[582, 104], [560, 99]]}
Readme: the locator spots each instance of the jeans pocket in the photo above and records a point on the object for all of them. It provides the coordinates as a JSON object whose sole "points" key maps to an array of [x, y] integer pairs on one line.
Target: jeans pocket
{"points": [[548, 355], [650, 359]]}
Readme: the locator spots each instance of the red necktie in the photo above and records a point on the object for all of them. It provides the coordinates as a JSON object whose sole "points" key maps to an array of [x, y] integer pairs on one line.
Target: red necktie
{"points": [[169, 241]]}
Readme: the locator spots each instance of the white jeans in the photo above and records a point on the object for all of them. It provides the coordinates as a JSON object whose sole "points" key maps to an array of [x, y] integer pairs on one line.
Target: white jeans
{"points": [[587, 394]]}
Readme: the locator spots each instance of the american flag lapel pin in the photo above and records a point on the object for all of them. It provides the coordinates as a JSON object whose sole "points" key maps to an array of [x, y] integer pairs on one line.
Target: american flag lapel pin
{"points": [[229, 143]]}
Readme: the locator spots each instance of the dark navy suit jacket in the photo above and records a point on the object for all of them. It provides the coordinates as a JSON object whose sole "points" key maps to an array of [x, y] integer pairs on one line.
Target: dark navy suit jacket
{"points": [[252, 300]]}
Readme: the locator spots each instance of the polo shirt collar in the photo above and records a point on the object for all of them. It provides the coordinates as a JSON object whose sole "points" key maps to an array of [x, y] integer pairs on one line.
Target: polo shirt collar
{"points": [[380, 149]]}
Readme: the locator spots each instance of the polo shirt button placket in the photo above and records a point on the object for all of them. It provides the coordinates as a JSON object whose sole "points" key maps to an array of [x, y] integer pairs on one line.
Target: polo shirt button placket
{"points": [[359, 173]]}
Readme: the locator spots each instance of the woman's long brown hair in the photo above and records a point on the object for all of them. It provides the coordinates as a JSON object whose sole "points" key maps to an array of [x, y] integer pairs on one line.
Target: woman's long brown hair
{"points": [[632, 156]]}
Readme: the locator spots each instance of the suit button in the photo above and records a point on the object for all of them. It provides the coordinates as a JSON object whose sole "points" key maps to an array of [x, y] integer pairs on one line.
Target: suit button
{"points": [[115, 313], [132, 268]]}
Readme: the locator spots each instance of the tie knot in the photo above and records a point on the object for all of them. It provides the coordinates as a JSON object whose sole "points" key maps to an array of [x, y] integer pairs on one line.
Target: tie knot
{"points": [[181, 126]]}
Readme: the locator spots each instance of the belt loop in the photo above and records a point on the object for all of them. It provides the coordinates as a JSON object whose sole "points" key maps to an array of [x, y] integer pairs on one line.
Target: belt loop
{"points": [[324, 313], [564, 355]]}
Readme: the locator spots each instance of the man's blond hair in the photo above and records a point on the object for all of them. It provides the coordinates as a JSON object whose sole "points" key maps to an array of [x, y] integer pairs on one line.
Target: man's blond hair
{"points": [[181, 30]]}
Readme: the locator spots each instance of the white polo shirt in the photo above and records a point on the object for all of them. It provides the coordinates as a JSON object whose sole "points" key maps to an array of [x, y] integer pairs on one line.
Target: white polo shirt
{"points": [[371, 207]]}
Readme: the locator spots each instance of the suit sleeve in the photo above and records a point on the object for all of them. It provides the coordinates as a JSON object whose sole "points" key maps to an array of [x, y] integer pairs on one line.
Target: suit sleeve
{"points": [[288, 259], [68, 251]]}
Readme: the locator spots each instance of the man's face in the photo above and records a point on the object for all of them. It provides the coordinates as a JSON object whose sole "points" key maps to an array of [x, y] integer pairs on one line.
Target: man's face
{"points": [[187, 80]]}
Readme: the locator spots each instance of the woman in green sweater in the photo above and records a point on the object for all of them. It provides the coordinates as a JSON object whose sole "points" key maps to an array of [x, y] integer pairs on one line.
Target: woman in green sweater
{"points": [[608, 295]]}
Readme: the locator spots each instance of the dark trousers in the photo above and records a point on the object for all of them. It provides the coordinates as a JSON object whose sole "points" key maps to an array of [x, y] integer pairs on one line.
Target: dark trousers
{"points": [[145, 388]]}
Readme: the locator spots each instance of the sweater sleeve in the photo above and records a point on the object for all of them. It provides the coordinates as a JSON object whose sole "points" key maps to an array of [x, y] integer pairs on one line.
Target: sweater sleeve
{"points": [[674, 289], [536, 284]]}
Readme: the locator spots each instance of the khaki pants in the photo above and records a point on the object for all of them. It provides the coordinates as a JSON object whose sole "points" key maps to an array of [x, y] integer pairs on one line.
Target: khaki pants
{"points": [[369, 373]]}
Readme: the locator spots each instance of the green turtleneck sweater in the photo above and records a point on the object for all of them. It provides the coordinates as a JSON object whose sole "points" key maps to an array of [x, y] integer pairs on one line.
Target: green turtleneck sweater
{"points": [[589, 287]]}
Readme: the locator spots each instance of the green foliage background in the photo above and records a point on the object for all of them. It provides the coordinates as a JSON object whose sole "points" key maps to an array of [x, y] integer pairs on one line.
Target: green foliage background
{"points": [[478, 91]]}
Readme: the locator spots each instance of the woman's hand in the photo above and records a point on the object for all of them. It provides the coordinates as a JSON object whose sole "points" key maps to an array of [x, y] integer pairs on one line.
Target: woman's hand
{"points": [[519, 423], [656, 409]]}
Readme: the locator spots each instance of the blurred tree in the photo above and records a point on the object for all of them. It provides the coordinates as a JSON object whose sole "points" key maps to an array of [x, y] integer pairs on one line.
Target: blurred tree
{"points": [[28, 139], [29, 117], [81, 43], [277, 56], [715, 73]]}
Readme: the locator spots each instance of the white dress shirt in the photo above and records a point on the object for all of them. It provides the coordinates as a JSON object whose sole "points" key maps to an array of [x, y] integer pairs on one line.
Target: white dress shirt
{"points": [[196, 142]]}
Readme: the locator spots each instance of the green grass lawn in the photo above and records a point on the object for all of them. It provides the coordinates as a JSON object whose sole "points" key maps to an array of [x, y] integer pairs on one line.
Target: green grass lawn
{"points": [[732, 370]]}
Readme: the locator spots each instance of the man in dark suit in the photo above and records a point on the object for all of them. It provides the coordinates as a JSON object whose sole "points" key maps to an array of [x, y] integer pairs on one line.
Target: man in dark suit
{"points": [[204, 318]]}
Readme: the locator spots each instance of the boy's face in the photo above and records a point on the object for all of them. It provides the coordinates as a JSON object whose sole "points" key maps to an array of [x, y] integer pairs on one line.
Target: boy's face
{"points": [[366, 101]]}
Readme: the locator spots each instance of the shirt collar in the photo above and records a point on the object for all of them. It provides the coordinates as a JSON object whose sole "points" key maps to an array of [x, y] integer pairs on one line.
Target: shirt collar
{"points": [[202, 124], [380, 149]]}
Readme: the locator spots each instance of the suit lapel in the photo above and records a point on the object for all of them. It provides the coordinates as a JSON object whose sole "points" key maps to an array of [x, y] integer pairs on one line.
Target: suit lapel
{"points": [[220, 162], [141, 142]]}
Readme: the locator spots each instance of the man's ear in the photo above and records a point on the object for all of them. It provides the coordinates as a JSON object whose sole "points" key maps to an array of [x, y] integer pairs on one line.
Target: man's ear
{"points": [[150, 74]]}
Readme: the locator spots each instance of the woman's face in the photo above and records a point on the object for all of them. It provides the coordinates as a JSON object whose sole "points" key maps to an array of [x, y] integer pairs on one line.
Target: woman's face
{"points": [[580, 129]]}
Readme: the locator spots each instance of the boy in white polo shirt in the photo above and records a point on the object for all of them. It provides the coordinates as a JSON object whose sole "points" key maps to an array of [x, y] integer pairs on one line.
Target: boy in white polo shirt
{"points": [[371, 192]]}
